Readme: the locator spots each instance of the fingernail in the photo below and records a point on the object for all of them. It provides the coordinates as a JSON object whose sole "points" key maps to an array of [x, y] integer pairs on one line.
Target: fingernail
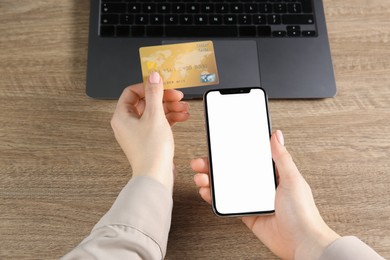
{"points": [[279, 136], [181, 93], [154, 77]]}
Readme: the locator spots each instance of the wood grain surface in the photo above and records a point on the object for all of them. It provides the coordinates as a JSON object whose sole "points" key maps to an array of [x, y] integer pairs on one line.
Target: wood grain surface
{"points": [[61, 168]]}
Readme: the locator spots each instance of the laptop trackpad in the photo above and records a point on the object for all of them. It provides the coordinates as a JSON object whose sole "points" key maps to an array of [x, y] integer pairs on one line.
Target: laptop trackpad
{"points": [[237, 64]]}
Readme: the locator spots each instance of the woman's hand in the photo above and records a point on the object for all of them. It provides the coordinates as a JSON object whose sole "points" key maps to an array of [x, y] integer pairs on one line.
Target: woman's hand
{"points": [[296, 230], [142, 126]]}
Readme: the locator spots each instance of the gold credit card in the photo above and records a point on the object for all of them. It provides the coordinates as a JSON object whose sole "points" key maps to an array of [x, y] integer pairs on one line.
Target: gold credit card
{"points": [[181, 65]]}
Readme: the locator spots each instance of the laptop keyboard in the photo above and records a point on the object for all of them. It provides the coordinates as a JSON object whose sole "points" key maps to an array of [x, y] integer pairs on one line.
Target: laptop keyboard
{"points": [[206, 18]]}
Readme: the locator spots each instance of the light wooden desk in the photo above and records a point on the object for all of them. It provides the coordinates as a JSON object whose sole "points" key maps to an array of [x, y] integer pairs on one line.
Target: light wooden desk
{"points": [[61, 168]]}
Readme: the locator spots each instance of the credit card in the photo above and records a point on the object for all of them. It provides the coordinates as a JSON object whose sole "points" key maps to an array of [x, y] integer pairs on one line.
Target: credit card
{"points": [[181, 65]]}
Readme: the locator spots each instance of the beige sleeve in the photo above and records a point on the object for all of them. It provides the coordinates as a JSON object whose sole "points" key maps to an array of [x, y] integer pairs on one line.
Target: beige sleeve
{"points": [[136, 226], [349, 248]]}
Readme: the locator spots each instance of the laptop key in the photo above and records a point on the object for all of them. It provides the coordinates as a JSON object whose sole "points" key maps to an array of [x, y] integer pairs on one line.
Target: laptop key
{"points": [[122, 31], [279, 33], [156, 19], [164, 8], [127, 19], [138, 31], [171, 19], [298, 19], [134, 8], [207, 8], [236, 8], [306, 6], [244, 19], [280, 8], [154, 31], [109, 19], [230, 19], [265, 8], [193, 8], [264, 31], [247, 31], [113, 8], [309, 33], [274, 19], [250, 8], [293, 28], [108, 30], [178, 8], [200, 19], [221, 8], [201, 31], [294, 33], [215, 19], [294, 8], [149, 7], [259, 19], [186, 19], [141, 19]]}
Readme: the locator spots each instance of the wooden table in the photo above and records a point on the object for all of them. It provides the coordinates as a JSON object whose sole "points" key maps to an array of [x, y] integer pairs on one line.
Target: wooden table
{"points": [[61, 168]]}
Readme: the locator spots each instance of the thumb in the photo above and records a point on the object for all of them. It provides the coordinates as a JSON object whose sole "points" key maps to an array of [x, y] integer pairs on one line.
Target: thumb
{"points": [[154, 92]]}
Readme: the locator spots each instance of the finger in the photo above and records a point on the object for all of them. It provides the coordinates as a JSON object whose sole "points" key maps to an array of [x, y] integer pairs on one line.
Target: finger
{"points": [[205, 193], [176, 106], [130, 97], [202, 180], [284, 163], [153, 95], [200, 165], [175, 117], [172, 95], [176, 112]]}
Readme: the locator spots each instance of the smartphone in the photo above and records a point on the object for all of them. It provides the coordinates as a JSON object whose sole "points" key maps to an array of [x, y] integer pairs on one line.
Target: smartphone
{"points": [[242, 173]]}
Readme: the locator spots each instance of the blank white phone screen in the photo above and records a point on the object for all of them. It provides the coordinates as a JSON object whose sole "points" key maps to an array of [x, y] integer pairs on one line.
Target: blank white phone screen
{"points": [[242, 169]]}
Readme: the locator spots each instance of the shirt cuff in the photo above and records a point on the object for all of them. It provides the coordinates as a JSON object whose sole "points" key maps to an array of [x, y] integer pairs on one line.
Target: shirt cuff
{"points": [[349, 248], [143, 204]]}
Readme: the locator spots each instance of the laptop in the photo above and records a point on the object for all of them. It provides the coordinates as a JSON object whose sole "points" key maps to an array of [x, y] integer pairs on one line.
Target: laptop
{"points": [[280, 45]]}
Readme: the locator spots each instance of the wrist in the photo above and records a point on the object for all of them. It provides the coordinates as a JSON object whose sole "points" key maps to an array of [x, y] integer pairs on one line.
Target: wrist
{"points": [[164, 175], [314, 244]]}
